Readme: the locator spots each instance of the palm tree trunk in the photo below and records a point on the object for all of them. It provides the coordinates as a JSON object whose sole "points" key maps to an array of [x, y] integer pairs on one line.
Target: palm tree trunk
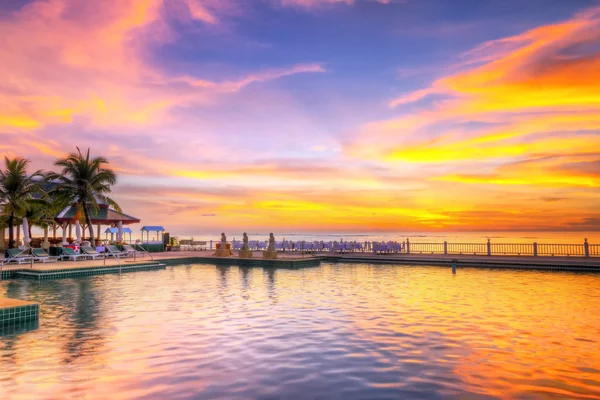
{"points": [[88, 221], [11, 233]]}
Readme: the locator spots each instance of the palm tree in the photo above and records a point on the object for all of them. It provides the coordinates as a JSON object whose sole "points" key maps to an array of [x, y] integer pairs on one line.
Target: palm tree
{"points": [[17, 190], [84, 181], [41, 212]]}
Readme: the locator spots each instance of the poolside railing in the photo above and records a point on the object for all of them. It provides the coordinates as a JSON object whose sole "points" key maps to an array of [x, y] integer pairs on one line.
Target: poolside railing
{"points": [[488, 248]]}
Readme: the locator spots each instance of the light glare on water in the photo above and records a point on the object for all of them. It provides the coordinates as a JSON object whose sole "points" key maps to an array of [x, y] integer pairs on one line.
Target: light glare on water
{"points": [[337, 331]]}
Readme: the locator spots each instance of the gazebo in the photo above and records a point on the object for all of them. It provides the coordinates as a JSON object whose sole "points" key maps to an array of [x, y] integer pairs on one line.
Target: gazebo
{"points": [[152, 246], [115, 231], [105, 216]]}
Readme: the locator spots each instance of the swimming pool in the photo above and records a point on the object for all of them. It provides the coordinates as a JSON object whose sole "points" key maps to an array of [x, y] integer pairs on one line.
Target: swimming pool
{"points": [[335, 331]]}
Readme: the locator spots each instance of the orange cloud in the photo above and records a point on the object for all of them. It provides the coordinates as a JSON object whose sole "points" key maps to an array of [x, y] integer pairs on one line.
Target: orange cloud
{"points": [[545, 81]]}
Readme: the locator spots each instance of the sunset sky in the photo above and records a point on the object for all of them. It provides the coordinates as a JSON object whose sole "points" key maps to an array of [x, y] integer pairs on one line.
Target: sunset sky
{"points": [[316, 115]]}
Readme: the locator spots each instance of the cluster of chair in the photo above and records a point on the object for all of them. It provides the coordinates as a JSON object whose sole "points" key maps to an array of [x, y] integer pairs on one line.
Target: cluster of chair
{"points": [[388, 247], [87, 253], [191, 244], [332, 246]]}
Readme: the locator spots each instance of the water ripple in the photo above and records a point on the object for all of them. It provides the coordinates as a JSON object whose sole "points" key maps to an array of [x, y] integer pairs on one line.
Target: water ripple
{"points": [[335, 332]]}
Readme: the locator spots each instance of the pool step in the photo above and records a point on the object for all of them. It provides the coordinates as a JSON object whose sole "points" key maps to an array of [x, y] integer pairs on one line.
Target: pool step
{"points": [[89, 271], [16, 312]]}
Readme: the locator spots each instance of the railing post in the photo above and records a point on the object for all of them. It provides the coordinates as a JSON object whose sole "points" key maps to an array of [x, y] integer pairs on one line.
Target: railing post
{"points": [[445, 247], [535, 249], [407, 246], [586, 248], [211, 244], [489, 248]]}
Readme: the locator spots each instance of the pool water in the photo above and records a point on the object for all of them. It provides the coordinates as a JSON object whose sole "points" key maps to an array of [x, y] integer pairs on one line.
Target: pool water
{"points": [[339, 331]]}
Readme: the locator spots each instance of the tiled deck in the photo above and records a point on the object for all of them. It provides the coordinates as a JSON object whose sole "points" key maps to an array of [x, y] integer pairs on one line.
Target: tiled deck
{"points": [[589, 264], [295, 260], [63, 269], [13, 311]]}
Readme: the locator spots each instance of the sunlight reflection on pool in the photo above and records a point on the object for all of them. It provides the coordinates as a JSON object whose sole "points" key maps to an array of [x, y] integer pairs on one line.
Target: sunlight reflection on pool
{"points": [[337, 331]]}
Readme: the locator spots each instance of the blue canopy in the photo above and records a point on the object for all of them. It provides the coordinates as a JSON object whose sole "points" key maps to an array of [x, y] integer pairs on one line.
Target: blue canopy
{"points": [[116, 230], [153, 229]]}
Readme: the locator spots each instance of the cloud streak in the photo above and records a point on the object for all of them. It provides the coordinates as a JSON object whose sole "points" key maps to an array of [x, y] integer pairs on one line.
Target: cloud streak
{"points": [[197, 122]]}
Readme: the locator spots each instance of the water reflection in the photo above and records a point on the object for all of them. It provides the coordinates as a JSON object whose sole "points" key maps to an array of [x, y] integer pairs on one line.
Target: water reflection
{"points": [[245, 281], [85, 311], [270, 275], [338, 331]]}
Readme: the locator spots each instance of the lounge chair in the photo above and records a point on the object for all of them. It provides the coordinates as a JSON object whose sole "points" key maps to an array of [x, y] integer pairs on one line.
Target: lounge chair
{"points": [[127, 248], [91, 252], [70, 254], [115, 252], [42, 256], [18, 256]]}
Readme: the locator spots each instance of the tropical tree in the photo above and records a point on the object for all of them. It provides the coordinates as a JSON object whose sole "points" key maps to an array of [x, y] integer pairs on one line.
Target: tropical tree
{"points": [[17, 191], [41, 213], [84, 181]]}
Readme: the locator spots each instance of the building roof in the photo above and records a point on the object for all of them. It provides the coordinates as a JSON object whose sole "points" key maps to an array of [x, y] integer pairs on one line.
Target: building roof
{"points": [[116, 230], [155, 228], [105, 216]]}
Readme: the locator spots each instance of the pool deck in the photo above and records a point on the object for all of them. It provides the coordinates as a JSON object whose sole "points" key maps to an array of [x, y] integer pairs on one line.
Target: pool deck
{"points": [[588, 264], [295, 260]]}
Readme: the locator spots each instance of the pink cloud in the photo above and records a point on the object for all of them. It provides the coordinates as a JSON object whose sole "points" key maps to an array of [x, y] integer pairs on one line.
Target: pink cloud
{"points": [[58, 68]]}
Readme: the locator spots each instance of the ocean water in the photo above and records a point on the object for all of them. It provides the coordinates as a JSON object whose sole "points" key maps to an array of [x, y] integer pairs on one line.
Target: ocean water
{"points": [[347, 331]]}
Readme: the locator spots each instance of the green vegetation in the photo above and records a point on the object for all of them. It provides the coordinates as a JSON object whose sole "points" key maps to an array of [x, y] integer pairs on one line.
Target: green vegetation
{"points": [[18, 190], [83, 181]]}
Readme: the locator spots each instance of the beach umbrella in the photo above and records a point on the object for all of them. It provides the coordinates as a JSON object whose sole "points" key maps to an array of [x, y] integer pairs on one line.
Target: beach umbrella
{"points": [[64, 234], [78, 231], [26, 237], [120, 231]]}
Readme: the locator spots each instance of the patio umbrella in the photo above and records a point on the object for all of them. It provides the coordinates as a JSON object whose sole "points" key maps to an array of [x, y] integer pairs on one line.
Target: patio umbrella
{"points": [[120, 231], [64, 234], [78, 231], [26, 238]]}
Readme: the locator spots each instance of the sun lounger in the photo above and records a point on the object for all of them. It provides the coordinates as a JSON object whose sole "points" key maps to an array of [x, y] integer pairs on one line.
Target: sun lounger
{"points": [[115, 252], [42, 256], [91, 252], [129, 249], [70, 254], [18, 256]]}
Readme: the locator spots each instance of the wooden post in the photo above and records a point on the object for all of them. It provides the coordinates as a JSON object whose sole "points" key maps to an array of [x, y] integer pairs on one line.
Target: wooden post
{"points": [[2, 233], [535, 251], [489, 248], [70, 230], [54, 230], [445, 247], [586, 248], [98, 232]]}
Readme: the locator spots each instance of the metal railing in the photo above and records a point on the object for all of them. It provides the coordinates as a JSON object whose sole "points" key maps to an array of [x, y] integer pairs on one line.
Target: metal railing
{"points": [[561, 249], [115, 256], [143, 251], [519, 249], [407, 247], [427, 248]]}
